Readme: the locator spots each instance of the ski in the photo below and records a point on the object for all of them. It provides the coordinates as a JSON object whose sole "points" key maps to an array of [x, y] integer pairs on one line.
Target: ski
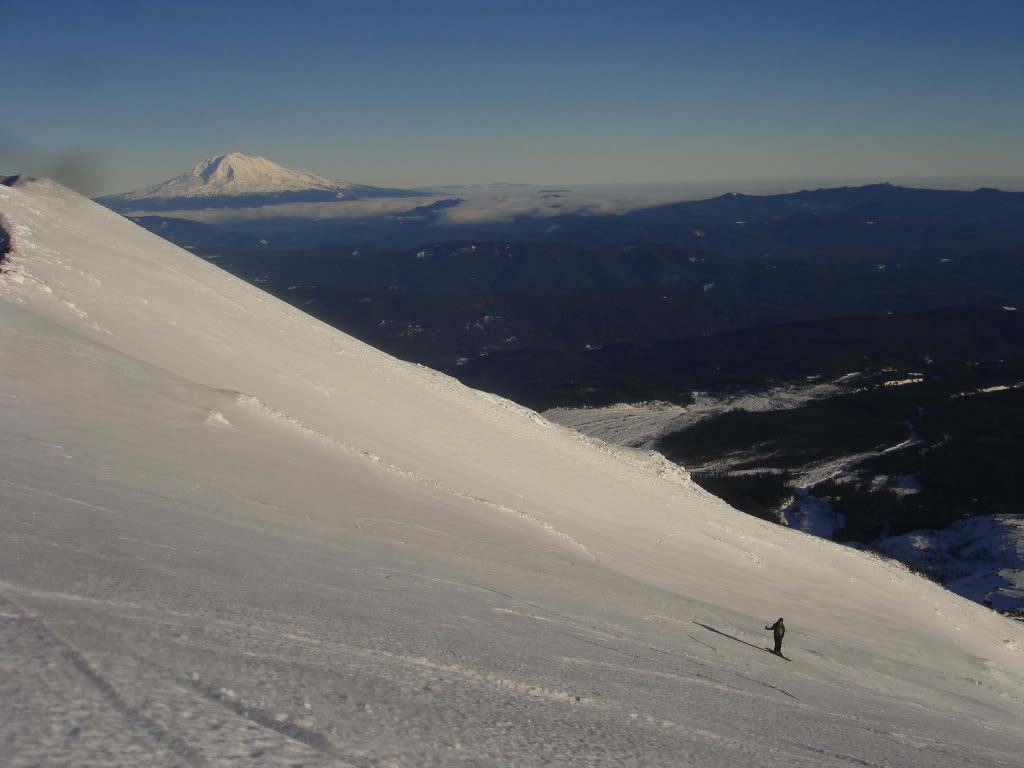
{"points": [[773, 653]]}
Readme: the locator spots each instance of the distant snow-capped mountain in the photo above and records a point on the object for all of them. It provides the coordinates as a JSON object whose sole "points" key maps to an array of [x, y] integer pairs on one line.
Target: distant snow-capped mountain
{"points": [[235, 180], [238, 174]]}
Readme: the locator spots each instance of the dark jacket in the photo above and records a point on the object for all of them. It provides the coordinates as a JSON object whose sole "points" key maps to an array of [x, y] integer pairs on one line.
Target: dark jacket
{"points": [[778, 628]]}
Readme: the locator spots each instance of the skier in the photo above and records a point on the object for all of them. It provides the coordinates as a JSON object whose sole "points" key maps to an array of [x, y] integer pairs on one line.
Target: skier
{"points": [[779, 629]]}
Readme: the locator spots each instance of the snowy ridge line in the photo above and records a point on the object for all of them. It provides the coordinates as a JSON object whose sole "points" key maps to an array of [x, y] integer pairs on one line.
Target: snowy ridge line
{"points": [[135, 717], [646, 460], [254, 402]]}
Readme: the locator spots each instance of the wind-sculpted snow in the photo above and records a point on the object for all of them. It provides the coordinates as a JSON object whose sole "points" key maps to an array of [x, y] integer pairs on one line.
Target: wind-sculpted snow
{"points": [[361, 562]]}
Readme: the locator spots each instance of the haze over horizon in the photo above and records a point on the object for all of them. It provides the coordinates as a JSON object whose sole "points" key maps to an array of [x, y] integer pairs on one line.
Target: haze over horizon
{"points": [[112, 98]]}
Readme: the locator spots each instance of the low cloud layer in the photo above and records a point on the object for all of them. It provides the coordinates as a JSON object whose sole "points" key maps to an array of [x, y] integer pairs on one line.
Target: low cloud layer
{"points": [[504, 203], [479, 205], [350, 209], [505, 207], [498, 203], [490, 204]]}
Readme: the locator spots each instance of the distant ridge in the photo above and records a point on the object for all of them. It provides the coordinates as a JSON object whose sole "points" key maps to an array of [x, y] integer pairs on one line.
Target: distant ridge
{"points": [[234, 180]]}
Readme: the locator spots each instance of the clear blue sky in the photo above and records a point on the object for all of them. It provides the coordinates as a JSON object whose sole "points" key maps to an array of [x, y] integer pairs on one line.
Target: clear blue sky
{"points": [[121, 94]]}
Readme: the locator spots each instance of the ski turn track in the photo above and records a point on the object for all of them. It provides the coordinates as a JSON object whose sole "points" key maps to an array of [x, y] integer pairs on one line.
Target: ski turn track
{"points": [[16, 621], [148, 740]]}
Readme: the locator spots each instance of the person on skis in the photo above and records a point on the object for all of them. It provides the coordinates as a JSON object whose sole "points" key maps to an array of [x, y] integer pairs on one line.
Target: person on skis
{"points": [[779, 629]]}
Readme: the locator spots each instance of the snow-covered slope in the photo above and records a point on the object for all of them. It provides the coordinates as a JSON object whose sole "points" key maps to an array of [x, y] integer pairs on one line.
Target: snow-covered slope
{"points": [[981, 558], [236, 180], [230, 532]]}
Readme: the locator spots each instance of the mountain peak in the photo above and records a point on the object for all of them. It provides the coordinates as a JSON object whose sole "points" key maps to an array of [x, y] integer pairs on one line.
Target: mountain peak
{"points": [[234, 180], [237, 174], [236, 168]]}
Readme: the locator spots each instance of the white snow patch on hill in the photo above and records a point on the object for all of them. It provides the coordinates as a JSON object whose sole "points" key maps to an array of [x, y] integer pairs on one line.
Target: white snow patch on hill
{"points": [[987, 390], [642, 424], [374, 565]]}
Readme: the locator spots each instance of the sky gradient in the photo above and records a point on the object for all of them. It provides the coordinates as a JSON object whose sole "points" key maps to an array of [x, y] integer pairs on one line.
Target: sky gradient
{"points": [[116, 95]]}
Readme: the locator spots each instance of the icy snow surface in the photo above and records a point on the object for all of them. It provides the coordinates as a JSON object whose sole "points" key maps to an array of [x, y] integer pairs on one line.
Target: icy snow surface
{"points": [[233, 535]]}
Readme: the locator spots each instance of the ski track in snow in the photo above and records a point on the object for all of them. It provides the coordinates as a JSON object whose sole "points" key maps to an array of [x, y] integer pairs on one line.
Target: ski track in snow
{"points": [[47, 639], [301, 727], [409, 671]]}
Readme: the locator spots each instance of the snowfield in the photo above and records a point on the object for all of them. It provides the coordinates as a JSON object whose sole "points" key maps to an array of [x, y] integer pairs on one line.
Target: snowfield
{"points": [[233, 535], [641, 425]]}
